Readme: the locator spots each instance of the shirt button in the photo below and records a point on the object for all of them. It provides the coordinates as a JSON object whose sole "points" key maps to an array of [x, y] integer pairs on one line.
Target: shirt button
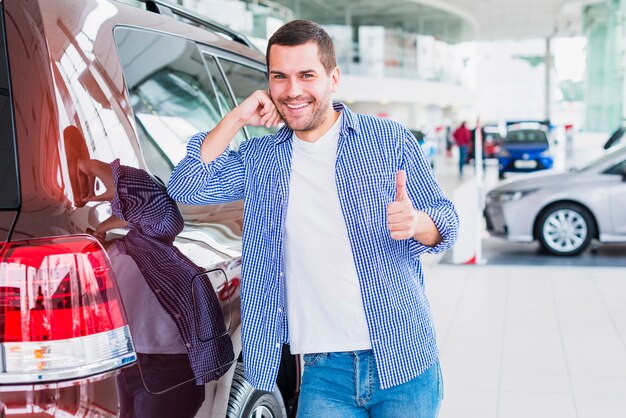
{"points": [[177, 316], [277, 345], [157, 290], [188, 345], [281, 274], [280, 310]]}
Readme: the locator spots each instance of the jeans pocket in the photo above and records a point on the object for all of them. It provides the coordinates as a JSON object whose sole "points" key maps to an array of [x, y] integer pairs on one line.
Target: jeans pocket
{"points": [[313, 358]]}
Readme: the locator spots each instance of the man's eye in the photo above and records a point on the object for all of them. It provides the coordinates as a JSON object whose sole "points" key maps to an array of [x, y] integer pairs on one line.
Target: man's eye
{"points": [[278, 76], [307, 75]]}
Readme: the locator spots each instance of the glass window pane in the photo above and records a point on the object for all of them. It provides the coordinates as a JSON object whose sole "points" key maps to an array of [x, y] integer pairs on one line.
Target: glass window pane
{"points": [[617, 169], [223, 96], [172, 95], [244, 81]]}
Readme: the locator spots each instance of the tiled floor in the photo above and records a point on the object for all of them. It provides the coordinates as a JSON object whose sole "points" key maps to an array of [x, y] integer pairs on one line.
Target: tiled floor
{"points": [[530, 341], [524, 341]]}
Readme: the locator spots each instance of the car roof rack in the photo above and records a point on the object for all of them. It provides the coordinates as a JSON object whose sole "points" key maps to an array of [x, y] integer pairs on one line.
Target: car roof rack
{"points": [[168, 9]]}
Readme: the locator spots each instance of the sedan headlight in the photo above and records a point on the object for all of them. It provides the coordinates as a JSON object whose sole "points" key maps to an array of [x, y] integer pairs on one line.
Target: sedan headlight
{"points": [[507, 195], [504, 153]]}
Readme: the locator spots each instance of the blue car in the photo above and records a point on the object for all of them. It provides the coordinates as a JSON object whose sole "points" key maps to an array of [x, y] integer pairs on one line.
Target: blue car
{"points": [[524, 150], [428, 146]]}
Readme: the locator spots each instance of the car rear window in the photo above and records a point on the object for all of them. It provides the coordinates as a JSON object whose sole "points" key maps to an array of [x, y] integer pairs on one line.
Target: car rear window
{"points": [[526, 136], [9, 184]]}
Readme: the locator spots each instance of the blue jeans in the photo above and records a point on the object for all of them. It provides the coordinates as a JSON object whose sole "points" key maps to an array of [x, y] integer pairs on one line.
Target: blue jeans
{"points": [[346, 384], [462, 157]]}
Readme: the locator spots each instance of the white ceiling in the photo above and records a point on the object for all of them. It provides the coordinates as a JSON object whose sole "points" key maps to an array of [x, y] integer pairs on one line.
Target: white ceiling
{"points": [[452, 20], [498, 19]]}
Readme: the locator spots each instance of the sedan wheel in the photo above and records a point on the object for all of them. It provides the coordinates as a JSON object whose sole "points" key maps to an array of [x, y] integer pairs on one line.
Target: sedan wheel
{"points": [[565, 229]]}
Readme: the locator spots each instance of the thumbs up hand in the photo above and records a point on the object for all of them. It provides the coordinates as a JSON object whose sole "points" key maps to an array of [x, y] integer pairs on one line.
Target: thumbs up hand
{"points": [[402, 219]]}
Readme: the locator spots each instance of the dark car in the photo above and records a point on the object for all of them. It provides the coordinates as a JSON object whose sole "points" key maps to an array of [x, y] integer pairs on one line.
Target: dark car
{"points": [[524, 150], [113, 86]]}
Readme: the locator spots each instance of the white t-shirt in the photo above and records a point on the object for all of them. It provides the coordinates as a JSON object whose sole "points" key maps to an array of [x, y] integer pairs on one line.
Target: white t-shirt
{"points": [[152, 329], [324, 305]]}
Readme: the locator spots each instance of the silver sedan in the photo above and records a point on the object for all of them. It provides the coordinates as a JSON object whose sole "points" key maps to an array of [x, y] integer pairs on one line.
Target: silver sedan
{"points": [[564, 211]]}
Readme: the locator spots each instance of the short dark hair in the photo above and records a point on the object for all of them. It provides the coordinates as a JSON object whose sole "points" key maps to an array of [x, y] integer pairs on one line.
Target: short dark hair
{"points": [[300, 32]]}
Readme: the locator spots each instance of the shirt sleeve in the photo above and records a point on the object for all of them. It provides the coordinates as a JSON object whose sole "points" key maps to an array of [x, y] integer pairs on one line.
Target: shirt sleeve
{"points": [[428, 197], [195, 182]]}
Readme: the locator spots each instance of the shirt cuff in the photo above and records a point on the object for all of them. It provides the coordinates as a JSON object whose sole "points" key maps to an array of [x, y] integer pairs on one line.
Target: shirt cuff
{"points": [[445, 221]]}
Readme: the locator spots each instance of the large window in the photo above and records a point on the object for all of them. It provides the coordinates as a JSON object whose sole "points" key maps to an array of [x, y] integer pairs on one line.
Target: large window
{"points": [[9, 184]]}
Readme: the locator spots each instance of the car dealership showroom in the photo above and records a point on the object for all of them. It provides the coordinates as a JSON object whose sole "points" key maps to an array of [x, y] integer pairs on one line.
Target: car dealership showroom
{"points": [[136, 300]]}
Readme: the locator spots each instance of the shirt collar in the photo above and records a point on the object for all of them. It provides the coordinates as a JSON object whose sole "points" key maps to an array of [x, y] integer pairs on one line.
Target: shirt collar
{"points": [[349, 121]]}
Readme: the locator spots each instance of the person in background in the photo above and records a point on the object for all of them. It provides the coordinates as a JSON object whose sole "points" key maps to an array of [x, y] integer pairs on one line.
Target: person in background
{"points": [[338, 208], [462, 137], [448, 141]]}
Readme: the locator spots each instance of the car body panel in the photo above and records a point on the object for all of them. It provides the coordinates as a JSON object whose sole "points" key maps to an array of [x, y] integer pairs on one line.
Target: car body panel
{"points": [[617, 203]]}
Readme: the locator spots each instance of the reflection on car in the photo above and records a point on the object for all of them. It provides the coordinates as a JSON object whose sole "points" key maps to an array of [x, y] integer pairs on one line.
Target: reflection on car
{"points": [[563, 211], [524, 150]]}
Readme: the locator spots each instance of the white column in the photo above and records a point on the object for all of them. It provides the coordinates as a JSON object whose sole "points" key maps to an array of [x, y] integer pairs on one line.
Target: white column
{"points": [[548, 62]]}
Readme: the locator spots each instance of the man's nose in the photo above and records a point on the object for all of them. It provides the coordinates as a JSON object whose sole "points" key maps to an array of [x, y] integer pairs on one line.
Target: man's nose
{"points": [[294, 89]]}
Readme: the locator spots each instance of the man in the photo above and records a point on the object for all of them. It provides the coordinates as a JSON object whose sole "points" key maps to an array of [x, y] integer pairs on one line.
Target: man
{"points": [[462, 136], [337, 209]]}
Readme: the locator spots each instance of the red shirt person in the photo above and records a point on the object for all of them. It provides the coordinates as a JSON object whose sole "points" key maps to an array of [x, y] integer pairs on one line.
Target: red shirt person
{"points": [[462, 137]]}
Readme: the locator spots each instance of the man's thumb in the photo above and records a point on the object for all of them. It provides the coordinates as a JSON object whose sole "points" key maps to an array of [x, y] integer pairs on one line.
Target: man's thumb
{"points": [[401, 193]]}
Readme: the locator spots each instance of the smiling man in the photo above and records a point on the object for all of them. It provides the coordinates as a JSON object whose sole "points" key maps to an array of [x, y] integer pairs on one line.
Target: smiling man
{"points": [[338, 208]]}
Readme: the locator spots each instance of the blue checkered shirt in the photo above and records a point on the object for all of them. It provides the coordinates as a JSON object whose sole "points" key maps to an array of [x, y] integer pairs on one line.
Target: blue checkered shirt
{"points": [[369, 154]]}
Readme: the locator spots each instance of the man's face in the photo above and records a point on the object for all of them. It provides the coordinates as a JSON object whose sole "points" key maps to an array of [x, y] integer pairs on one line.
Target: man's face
{"points": [[300, 87]]}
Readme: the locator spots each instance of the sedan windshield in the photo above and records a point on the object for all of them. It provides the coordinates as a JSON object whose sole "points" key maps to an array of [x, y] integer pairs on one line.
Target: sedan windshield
{"points": [[612, 154]]}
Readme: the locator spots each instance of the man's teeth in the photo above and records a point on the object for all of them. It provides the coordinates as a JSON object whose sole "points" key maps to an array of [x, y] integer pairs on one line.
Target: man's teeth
{"points": [[300, 106]]}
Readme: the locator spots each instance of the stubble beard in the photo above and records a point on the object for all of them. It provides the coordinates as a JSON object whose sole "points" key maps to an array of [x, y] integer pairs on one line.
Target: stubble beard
{"points": [[317, 118]]}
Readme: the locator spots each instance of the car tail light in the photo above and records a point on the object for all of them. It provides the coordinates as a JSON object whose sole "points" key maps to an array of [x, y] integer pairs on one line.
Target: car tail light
{"points": [[61, 315]]}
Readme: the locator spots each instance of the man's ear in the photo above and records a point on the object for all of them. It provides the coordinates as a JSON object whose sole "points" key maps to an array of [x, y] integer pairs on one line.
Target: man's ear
{"points": [[334, 79]]}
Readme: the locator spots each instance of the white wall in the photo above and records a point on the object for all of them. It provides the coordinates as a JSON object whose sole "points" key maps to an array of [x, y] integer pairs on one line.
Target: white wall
{"points": [[397, 90], [508, 87]]}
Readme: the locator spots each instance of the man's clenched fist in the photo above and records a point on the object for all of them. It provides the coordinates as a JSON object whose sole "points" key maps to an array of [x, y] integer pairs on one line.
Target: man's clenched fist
{"points": [[258, 110], [404, 221]]}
